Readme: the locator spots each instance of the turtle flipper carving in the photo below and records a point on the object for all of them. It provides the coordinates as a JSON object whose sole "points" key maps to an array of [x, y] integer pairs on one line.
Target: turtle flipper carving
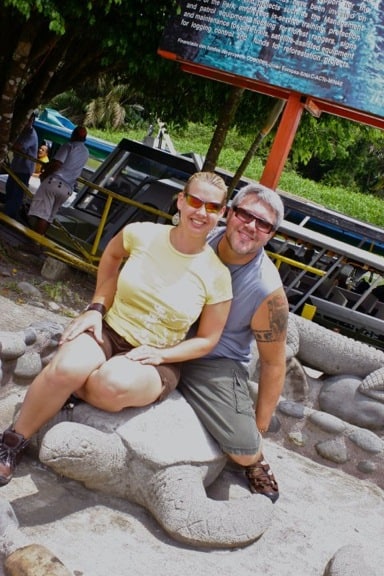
{"points": [[373, 385], [336, 354], [178, 500], [161, 458]]}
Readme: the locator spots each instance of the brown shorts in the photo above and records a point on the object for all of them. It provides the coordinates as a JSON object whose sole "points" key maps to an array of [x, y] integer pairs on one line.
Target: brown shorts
{"points": [[115, 345]]}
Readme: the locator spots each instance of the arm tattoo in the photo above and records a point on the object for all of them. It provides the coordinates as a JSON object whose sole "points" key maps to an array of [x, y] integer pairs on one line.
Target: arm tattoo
{"points": [[278, 318]]}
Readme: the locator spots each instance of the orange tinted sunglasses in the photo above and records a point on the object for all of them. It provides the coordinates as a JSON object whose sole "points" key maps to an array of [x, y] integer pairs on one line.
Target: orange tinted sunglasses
{"points": [[195, 202]]}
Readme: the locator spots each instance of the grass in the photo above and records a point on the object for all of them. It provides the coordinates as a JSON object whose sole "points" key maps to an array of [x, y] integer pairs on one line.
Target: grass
{"points": [[196, 138]]}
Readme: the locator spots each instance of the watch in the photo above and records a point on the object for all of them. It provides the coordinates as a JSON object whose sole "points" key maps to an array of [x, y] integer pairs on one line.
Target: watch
{"points": [[98, 307]]}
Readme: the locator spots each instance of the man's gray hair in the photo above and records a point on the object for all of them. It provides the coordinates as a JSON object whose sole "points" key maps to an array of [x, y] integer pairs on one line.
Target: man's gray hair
{"points": [[266, 195]]}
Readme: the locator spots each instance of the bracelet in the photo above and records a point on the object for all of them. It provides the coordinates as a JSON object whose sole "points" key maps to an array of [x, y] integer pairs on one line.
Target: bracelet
{"points": [[98, 307]]}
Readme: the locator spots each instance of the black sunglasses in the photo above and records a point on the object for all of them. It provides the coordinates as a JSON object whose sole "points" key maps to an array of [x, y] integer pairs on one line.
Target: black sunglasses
{"points": [[247, 218], [196, 202]]}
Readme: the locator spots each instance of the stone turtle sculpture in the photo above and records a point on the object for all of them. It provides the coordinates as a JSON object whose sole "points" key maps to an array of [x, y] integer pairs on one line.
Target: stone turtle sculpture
{"points": [[335, 354], [161, 458]]}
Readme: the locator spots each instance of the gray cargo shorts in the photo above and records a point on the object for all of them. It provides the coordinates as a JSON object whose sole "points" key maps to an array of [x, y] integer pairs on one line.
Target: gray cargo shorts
{"points": [[218, 392]]}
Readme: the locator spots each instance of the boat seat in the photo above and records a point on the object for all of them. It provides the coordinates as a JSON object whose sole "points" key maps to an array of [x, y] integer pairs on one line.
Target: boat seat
{"points": [[337, 297]]}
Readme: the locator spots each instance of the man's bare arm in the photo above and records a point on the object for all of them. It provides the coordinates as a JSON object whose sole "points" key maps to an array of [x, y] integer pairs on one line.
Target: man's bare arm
{"points": [[273, 318], [269, 326]]}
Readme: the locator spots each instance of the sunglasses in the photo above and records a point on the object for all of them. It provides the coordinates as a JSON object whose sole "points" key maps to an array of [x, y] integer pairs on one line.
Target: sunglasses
{"points": [[247, 218], [195, 202]]}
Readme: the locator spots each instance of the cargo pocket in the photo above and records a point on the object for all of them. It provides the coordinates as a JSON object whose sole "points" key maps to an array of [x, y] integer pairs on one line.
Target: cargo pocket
{"points": [[243, 400]]}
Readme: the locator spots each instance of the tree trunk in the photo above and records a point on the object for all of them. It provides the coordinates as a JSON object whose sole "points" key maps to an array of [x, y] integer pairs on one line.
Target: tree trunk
{"points": [[12, 86], [224, 122], [271, 121]]}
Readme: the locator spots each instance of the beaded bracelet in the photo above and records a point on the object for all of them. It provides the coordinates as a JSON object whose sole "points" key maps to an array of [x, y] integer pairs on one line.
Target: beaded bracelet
{"points": [[98, 307]]}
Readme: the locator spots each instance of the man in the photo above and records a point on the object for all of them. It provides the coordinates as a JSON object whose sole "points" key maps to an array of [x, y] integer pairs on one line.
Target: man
{"points": [[216, 385], [27, 143], [58, 180]]}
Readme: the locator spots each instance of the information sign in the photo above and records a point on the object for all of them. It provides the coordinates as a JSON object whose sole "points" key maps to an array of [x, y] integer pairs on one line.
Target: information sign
{"points": [[332, 50]]}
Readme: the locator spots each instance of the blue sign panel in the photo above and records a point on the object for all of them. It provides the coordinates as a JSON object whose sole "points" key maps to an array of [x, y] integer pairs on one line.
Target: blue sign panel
{"points": [[328, 49]]}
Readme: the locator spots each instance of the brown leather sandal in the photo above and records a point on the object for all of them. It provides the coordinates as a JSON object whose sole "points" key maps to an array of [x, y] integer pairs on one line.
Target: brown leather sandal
{"points": [[261, 479]]}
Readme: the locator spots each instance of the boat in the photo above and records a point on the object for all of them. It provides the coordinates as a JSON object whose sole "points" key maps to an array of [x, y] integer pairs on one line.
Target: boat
{"points": [[331, 265]]}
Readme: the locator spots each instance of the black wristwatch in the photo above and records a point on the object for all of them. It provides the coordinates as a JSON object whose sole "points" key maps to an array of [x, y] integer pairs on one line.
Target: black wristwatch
{"points": [[98, 307]]}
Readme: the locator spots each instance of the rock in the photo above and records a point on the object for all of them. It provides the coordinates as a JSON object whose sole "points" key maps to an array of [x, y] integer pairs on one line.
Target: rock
{"points": [[366, 440], [29, 336], [28, 366], [29, 290], [334, 450], [348, 561], [291, 409], [53, 269], [35, 560], [330, 440], [340, 396], [328, 422], [367, 467], [12, 345]]}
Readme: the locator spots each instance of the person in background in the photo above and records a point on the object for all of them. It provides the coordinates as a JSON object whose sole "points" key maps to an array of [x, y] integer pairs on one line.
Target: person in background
{"points": [[58, 177], [216, 385], [125, 349], [42, 157], [26, 143]]}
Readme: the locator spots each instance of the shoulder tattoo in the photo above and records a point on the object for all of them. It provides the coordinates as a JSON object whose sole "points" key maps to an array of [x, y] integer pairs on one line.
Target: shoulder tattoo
{"points": [[277, 320]]}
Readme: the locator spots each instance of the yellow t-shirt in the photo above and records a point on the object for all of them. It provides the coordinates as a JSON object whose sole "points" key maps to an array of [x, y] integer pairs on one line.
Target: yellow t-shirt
{"points": [[160, 291], [39, 167]]}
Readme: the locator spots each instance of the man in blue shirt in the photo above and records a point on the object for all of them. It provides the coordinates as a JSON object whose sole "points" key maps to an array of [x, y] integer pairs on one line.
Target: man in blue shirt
{"points": [[217, 385], [26, 143], [58, 180]]}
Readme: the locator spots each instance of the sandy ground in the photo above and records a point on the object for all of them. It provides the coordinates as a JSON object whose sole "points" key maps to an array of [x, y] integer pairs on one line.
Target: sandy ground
{"points": [[320, 509]]}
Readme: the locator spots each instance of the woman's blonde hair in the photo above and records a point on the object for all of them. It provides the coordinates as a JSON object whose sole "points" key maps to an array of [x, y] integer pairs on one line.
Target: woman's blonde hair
{"points": [[210, 178]]}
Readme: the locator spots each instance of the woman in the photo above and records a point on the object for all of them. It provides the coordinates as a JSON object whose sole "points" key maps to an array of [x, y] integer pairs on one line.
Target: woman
{"points": [[43, 158], [124, 349]]}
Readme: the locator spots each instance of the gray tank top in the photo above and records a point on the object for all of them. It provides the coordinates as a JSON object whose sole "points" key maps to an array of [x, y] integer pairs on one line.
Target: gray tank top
{"points": [[251, 284]]}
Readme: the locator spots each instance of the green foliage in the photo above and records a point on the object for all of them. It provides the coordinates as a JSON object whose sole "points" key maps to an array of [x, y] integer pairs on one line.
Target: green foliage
{"points": [[364, 207], [48, 47], [27, 9], [339, 152], [70, 104], [103, 104], [99, 61]]}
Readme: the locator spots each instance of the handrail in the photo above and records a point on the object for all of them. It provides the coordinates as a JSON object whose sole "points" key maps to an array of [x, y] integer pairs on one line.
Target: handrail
{"points": [[53, 248], [58, 251], [354, 253], [295, 263]]}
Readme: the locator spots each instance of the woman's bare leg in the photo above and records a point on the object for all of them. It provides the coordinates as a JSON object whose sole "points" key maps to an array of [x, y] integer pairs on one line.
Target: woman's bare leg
{"points": [[121, 383], [66, 373]]}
